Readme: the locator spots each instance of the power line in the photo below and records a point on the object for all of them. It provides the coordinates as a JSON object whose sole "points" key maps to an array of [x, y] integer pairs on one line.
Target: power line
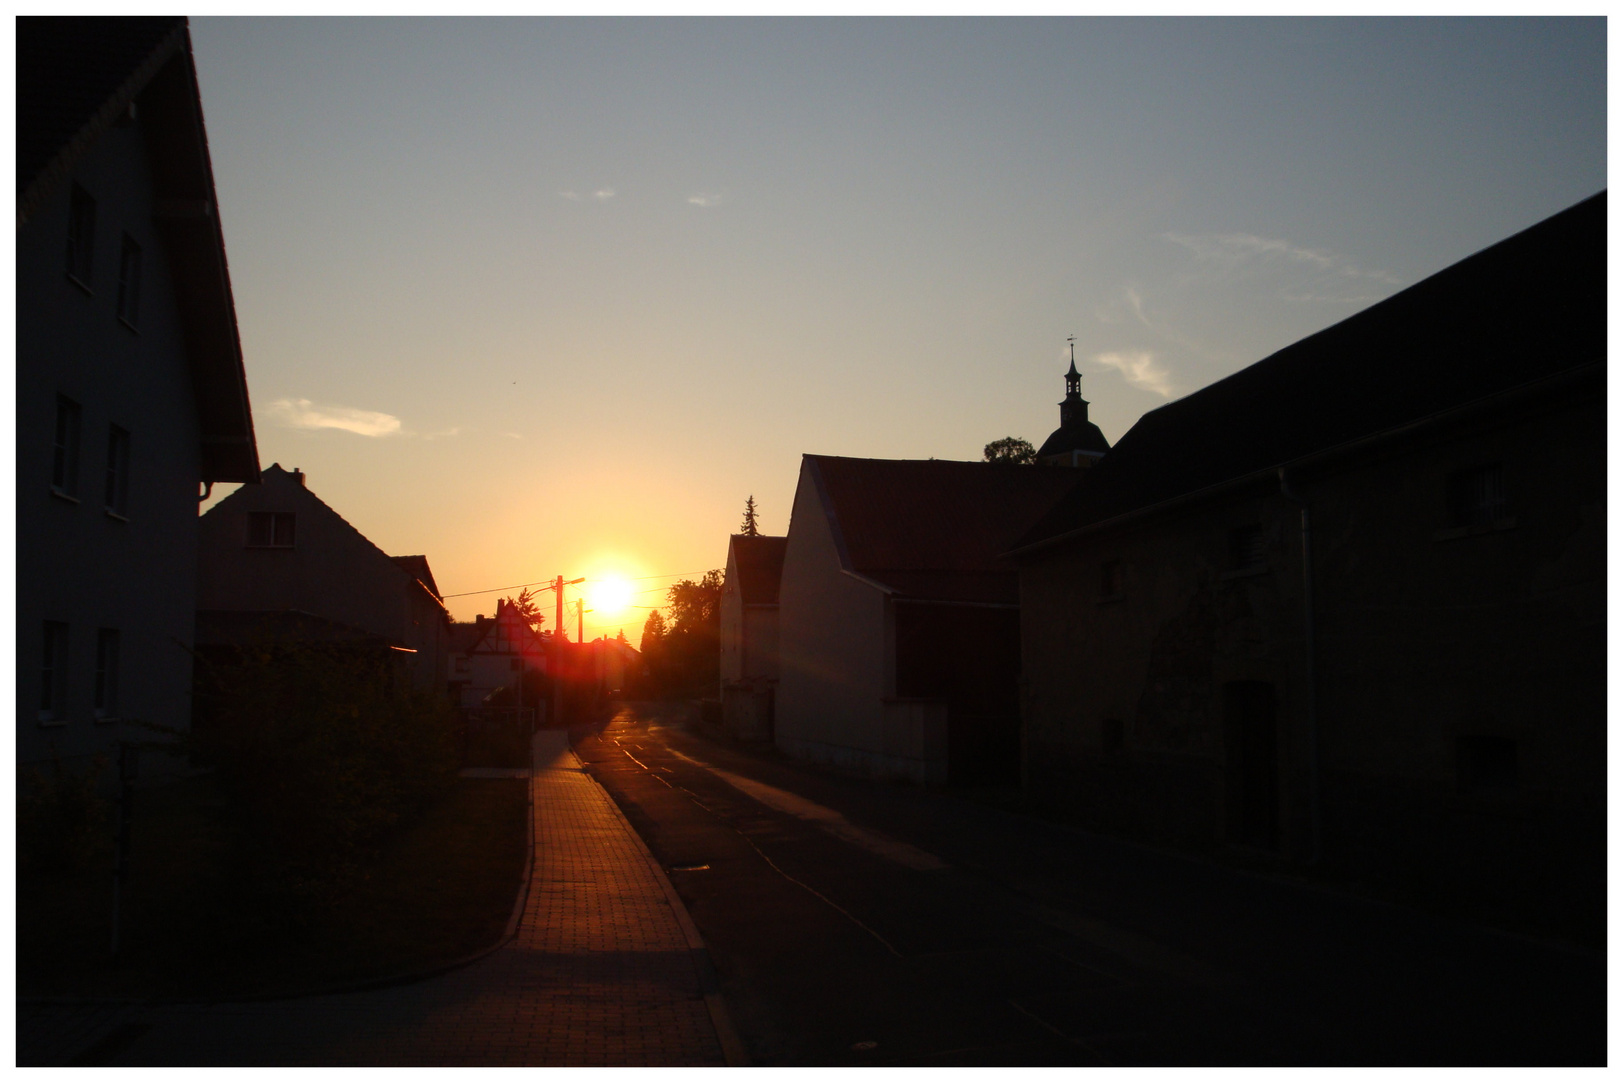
{"points": [[548, 584]]}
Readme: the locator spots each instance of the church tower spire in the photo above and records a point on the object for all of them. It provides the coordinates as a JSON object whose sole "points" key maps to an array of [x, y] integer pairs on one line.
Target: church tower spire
{"points": [[1077, 443], [1074, 408]]}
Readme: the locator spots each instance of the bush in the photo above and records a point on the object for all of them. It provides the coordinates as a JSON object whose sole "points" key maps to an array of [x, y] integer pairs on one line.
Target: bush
{"points": [[63, 821], [319, 754]]}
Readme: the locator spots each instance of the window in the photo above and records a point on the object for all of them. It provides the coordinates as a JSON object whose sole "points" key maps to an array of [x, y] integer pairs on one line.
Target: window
{"points": [[270, 530], [129, 283], [117, 471], [1474, 497], [1111, 581], [1246, 548], [1487, 763], [81, 236], [106, 695], [53, 675], [65, 450]]}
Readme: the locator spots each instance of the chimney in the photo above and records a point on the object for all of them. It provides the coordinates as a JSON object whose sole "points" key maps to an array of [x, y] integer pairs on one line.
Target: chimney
{"points": [[298, 475]]}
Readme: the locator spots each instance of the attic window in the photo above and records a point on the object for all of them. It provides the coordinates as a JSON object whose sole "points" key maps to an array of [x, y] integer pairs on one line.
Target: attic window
{"points": [[1111, 581], [1246, 548], [1474, 497], [81, 236], [267, 530]]}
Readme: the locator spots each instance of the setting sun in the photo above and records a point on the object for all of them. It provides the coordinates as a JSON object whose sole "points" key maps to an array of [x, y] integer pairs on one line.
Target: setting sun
{"points": [[609, 595]]}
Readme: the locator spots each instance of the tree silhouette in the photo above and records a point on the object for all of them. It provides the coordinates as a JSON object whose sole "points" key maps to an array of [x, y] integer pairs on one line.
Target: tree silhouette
{"points": [[525, 606], [1010, 451], [750, 524]]}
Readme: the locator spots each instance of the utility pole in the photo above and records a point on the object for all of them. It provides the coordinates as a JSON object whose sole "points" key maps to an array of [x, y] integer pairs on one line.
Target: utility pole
{"points": [[579, 609], [557, 639]]}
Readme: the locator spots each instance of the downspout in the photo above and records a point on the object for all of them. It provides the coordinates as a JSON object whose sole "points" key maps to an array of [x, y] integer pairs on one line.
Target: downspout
{"points": [[1312, 755]]}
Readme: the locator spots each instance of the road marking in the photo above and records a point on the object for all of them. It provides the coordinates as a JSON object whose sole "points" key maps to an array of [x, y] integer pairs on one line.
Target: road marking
{"points": [[827, 818]]}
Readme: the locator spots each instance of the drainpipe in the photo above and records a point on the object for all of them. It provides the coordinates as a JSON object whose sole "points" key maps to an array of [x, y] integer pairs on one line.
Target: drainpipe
{"points": [[1312, 755]]}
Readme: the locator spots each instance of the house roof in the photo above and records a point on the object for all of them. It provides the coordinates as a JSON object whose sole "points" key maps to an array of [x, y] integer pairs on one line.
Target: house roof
{"points": [[76, 77], [417, 567], [1529, 308], [275, 474], [759, 566], [516, 631], [245, 628], [1082, 435], [934, 530]]}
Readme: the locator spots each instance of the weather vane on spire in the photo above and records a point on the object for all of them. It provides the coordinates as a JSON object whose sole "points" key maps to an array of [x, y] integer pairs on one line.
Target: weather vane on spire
{"points": [[1071, 349]]}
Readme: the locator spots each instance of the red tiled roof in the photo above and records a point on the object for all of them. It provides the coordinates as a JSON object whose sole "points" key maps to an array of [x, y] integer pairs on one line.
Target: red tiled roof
{"points": [[759, 566], [935, 530]]}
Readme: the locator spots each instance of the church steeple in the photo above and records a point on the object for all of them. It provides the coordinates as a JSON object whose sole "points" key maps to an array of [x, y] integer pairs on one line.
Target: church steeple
{"points": [[1077, 443], [1074, 408]]}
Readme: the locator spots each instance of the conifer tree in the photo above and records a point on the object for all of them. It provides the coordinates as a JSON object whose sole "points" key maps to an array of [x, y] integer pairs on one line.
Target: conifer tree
{"points": [[750, 522]]}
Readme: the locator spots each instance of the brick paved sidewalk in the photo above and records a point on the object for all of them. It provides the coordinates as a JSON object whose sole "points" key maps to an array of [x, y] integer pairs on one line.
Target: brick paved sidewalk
{"points": [[604, 970]]}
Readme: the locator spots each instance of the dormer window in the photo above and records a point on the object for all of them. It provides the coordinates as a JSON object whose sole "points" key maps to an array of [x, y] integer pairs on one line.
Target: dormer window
{"points": [[271, 530]]}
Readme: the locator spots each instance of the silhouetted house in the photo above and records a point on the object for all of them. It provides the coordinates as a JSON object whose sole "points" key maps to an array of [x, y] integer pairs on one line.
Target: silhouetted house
{"points": [[899, 620], [1077, 443], [748, 633], [494, 653], [1351, 598], [274, 549], [131, 392]]}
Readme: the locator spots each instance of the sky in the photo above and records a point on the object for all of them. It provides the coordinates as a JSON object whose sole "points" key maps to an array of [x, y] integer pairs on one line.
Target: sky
{"points": [[538, 297]]}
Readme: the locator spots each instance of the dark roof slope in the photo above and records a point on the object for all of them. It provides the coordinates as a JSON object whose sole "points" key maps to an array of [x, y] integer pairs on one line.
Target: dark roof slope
{"points": [[417, 567], [275, 474], [1084, 436], [934, 530], [71, 70], [75, 78], [1530, 307], [759, 566]]}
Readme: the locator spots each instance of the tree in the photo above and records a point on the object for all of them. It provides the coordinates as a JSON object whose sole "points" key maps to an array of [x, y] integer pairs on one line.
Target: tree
{"points": [[653, 631], [525, 606], [691, 646], [750, 524], [1010, 451]]}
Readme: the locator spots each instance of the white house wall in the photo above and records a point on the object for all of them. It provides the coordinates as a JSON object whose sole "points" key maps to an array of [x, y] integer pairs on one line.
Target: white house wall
{"points": [[829, 704]]}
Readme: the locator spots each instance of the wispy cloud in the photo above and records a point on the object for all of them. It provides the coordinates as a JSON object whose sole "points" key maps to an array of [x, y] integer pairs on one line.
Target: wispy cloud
{"points": [[303, 413], [1248, 251], [447, 433], [512, 435], [1141, 368], [602, 194], [703, 198]]}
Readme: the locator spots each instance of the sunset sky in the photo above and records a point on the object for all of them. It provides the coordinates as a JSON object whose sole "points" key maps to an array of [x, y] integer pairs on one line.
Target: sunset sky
{"points": [[534, 297]]}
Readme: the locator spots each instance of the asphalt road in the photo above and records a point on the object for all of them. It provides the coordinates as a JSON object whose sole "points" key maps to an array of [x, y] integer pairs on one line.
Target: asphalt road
{"points": [[854, 922]]}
